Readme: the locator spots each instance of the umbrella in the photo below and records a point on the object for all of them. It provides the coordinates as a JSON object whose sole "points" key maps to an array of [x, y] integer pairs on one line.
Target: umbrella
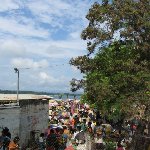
{"points": [[53, 104], [80, 136], [52, 101]]}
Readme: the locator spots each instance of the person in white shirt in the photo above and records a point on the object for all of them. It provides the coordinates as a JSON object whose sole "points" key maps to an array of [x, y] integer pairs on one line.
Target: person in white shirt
{"points": [[99, 140], [93, 126]]}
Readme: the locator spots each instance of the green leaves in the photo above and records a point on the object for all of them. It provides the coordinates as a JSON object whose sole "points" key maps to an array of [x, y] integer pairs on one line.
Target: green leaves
{"points": [[116, 71]]}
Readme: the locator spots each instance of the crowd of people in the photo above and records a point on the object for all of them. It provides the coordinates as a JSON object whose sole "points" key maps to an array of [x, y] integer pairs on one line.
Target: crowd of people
{"points": [[5, 140], [71, 123], [74, 126]]}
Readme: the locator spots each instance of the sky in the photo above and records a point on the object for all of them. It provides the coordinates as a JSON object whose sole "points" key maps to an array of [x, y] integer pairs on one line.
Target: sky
{"points": [[40, 37]]}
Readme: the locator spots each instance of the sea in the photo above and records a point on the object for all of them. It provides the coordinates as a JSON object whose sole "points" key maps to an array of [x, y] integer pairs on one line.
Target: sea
{"points": [[64, 97]]}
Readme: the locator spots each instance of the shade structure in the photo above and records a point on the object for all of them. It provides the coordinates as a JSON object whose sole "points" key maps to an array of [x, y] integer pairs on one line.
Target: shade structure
{"points": [[53, 103]]}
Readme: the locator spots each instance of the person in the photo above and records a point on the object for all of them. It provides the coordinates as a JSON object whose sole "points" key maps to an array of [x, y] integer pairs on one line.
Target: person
{"points": [[6, 132], [6, 139], [47, 131], [13, 145], [83, 125], [99, 140], [1, 142], [66, 132], [51, 140], [62, 139], [41, 142], [73, 122], [79, 136], [104, 131], [119, 146], [72, 146], [93, 126], [98, 116]]}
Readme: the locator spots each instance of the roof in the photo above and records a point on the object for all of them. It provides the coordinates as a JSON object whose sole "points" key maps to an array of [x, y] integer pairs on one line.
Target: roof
{"points": [[13, 97]]}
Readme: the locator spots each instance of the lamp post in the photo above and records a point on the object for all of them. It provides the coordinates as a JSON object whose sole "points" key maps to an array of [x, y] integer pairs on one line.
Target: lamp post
{"points": [[17, 71]]}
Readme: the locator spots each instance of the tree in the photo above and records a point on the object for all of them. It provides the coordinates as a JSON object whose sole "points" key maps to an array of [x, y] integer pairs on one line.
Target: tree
{"points": [[117, 65]]}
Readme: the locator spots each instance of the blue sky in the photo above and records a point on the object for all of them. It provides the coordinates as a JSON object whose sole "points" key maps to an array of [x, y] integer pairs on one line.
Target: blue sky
{"points": [[41, 33]]}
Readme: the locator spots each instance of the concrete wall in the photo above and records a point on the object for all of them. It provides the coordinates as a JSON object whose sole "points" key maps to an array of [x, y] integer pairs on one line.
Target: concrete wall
{"points": [[33, 117], [9, 117]]}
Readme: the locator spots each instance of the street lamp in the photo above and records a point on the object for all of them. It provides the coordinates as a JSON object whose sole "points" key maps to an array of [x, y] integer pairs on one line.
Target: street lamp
{"points": [[17, 71]]}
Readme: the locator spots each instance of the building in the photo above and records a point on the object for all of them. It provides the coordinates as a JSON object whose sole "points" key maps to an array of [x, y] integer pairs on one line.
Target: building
{"points": [[25, 118]]}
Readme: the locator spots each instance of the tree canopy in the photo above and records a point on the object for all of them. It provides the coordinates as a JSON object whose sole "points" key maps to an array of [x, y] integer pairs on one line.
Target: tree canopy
{"points": [[117, 64]]}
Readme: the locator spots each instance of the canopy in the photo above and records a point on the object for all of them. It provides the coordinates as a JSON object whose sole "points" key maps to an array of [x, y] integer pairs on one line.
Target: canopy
{"points": [[53, 103]]}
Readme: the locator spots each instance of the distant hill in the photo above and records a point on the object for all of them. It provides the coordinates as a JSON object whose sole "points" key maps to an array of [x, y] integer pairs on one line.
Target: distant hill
{"points": [[39, 93]]}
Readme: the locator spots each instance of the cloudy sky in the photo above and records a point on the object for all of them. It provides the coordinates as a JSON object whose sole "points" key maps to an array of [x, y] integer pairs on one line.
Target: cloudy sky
{"points": [[40, 37]]}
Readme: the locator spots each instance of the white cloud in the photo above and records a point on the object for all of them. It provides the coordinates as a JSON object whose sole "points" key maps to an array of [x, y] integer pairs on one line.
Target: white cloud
{"points": [[8, 5], [18, 47], [12, 26], [47, 81], [56, 13], [11, 48], [48, 7], [48, 11], [75, 35], [74, 69], [28, 63], [45, 78], [27, 42]]}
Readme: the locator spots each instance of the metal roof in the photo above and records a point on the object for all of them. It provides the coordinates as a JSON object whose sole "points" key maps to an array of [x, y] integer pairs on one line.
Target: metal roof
{"points": [[13, 97]]}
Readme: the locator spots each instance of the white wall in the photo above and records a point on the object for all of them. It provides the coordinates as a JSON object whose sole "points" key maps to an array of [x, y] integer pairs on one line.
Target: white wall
{"points": [[9, 117], [33, 117]]}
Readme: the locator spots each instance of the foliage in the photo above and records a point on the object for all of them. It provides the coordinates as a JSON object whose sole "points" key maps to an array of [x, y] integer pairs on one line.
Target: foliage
{"points": [[116, 68]]}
